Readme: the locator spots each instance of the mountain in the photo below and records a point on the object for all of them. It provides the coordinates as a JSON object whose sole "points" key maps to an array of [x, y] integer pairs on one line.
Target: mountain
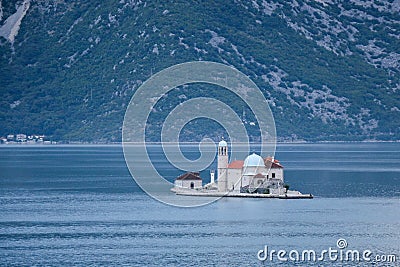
{"points": [[330, 69]]}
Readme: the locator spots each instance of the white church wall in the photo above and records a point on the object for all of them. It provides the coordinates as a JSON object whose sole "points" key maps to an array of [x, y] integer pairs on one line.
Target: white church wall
{"points": [[257, 182], [278, 173], [197, 184], [222, 166], [252, 170], [246, 180], [234, 179]]}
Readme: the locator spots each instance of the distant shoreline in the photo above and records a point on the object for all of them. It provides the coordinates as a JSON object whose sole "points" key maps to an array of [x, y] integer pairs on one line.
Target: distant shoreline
{"points": [[185, 143]]}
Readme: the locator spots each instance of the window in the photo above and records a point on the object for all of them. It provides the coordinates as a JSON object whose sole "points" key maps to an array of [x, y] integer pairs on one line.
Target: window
{"points": [[273, 175], [191, 185]]}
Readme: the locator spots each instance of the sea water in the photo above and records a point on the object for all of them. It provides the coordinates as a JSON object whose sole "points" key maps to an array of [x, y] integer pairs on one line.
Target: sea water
{"points": [[78, 205]]}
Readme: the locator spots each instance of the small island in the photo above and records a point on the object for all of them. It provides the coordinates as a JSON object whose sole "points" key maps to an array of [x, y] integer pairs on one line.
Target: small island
{"points": [[255, 177]]}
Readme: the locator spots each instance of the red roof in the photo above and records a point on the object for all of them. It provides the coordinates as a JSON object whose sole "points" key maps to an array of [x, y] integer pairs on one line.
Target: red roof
{"points": [[237, 164], [272, 164], [190, 176]]}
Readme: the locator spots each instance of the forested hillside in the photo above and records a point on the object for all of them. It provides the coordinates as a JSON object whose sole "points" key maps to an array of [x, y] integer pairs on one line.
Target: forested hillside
{"points": [[329, 69]]}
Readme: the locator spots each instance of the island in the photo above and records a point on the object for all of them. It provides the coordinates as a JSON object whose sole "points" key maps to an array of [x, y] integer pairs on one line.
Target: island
{"points": [[254, 177]]}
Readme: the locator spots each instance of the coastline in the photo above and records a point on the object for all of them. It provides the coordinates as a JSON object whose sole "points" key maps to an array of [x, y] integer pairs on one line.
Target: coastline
{"points": [[61, 143], [289, 195]]}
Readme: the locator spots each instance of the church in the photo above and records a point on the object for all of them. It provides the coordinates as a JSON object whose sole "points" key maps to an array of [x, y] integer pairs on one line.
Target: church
{"points": [[252, 175]]}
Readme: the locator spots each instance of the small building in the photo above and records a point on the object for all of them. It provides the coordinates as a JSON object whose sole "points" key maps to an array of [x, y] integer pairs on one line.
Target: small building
{"points": [[189, 180], [21, 137]]}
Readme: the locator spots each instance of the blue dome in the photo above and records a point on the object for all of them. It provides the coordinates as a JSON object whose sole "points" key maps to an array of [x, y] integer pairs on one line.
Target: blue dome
{"points": [[223, 143], [253, 160]]}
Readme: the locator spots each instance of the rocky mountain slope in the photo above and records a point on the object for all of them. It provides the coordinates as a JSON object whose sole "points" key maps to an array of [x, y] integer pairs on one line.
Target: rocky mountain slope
{"points": [[329, 69]]}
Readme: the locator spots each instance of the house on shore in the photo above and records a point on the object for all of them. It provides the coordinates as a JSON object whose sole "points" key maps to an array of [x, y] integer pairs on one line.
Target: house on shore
{"points": [[189, 180]]}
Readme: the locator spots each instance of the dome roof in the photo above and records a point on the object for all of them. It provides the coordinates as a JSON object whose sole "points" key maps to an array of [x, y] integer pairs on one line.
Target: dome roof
{"points": [[223, 143], [253, 160]]}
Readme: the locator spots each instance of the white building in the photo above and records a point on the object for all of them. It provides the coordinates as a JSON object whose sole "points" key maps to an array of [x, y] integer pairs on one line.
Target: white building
{"points": [[21, 137], [222, 159], [254, 174], [189, 180]]}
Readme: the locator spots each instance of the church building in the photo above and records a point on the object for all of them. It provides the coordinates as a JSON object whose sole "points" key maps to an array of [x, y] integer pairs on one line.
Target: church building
{"points": [[253, 175]]}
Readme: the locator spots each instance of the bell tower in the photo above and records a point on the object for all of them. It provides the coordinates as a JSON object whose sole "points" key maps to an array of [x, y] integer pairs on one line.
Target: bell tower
{"points": [[222, 166]]}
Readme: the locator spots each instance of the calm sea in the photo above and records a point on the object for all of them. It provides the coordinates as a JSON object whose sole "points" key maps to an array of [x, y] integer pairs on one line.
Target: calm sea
{"points": [[78, 205]]}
